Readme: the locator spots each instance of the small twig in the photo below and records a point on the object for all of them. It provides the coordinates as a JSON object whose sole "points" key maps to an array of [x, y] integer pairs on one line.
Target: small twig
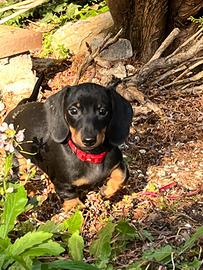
{"points": [[196, 90], [15, 14], [15, 6], [195, 78], [186, 86], [22, 10], [169, 73], [189, 69], [172, 260], [165, 44], [92, 54], [185, 43], [167, 63], [131, 93]]}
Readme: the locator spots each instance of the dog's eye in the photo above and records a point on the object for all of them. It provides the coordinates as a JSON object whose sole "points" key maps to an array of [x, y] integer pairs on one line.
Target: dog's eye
{"points": [[102, 111], [73, 111]]}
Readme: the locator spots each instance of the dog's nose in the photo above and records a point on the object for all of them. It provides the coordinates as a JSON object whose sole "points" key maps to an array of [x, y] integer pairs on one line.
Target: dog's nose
{"points": [[89, 141]]}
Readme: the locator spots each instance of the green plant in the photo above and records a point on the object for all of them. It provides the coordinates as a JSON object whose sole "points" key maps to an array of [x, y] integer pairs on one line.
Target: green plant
{"points": [[55, 12], [197, 20], [24, 249], [61, 52], [171, 257]]}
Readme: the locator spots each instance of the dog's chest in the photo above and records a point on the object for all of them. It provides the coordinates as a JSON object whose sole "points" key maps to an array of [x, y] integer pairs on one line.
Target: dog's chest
{"points": [[85, 173], [69, 169]]}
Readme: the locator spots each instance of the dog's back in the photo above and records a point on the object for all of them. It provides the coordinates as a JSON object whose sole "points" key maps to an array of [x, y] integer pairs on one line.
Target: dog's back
{"points": [[35, 92]]}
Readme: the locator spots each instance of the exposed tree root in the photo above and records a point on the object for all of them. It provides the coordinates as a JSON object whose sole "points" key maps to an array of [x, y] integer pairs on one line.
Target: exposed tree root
{"points": [[169, 62], [187, 72], [108, 40], [165, 44], [194, 78], [131, 93], [181, 67]]}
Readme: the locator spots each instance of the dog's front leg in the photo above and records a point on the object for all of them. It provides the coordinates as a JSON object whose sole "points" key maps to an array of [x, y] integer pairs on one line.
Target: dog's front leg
{"points": [[115, 181], [69, 196]]}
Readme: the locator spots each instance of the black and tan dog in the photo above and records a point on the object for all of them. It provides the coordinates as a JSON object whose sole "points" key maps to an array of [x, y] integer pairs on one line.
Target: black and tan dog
{"points": [[74, 138]]}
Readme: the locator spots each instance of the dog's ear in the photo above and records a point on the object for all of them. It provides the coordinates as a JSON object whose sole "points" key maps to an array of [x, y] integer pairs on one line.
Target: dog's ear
{"points": [[122, 113], [58, 126]]}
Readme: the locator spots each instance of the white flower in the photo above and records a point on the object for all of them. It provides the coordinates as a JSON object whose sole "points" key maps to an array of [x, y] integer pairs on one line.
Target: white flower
{"points": [[28, 161], [3, 138], [11, 126], [20, 135], [9, 147], [2, 106], [10, 190], [3, 127], [1, 144]]}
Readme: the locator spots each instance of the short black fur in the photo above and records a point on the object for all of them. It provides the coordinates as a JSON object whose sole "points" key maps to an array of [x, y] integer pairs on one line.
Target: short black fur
{"points": [[96, 118]]}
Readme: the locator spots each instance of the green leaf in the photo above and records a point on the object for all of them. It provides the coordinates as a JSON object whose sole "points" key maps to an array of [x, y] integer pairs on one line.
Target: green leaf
{"points": [[158, 255], [2, 260], [74, 223], [72, 11], [190, 242], [127, 231], [14, 205], [70, 265], [39, 266], [7, 165], [49, 226], [147, 235], [76, 246], [135, 266], [4, 243], [101, 248], [49, 248], [21, 263], [27, 241], [194, 265]]}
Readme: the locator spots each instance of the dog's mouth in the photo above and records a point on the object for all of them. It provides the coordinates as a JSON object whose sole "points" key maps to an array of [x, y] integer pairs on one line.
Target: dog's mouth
{"points": [[86, 147], [87, 143]]}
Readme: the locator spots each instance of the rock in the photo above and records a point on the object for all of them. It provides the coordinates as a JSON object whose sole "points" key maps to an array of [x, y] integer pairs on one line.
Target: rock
{"points": [[118, 71], [74, 35], [16, 40], [16, 74], [130, 70], [120, 50]]}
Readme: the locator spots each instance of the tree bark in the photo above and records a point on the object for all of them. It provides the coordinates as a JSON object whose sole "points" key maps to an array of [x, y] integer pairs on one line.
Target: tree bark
{"points": [[146, 23]]}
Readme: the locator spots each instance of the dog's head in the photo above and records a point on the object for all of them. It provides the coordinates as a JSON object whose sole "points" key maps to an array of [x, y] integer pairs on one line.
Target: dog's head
{"points": [[91, 114]]}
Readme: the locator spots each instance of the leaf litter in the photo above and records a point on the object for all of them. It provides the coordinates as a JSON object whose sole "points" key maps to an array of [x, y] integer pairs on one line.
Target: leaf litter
{"points": [[164, 193]]}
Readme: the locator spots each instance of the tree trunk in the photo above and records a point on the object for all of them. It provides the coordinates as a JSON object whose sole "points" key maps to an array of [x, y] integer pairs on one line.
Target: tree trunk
{"points": [[146, 23]]}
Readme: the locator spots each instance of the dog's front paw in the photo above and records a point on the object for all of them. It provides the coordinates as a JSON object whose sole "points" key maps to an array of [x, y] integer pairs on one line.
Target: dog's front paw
{"points": [[68, 205], [114, 183], [107, 192], [72, 203]]}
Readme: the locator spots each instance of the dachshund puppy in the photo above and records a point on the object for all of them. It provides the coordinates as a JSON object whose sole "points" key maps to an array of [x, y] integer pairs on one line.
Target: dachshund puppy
{"points": [[74, 136]]}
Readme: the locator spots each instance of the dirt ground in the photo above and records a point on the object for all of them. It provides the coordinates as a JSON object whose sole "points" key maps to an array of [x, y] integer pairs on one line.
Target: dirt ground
{"points": [[164, 193]]}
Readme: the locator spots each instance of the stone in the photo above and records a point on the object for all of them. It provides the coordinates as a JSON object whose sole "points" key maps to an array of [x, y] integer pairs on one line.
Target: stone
{"points": [[16, 40], [16, 74], [120, 50], [118, 70], [74, 35]]}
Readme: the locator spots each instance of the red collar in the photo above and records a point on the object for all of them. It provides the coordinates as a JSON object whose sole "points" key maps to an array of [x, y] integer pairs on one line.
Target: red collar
{"points": [[91, 158]]}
